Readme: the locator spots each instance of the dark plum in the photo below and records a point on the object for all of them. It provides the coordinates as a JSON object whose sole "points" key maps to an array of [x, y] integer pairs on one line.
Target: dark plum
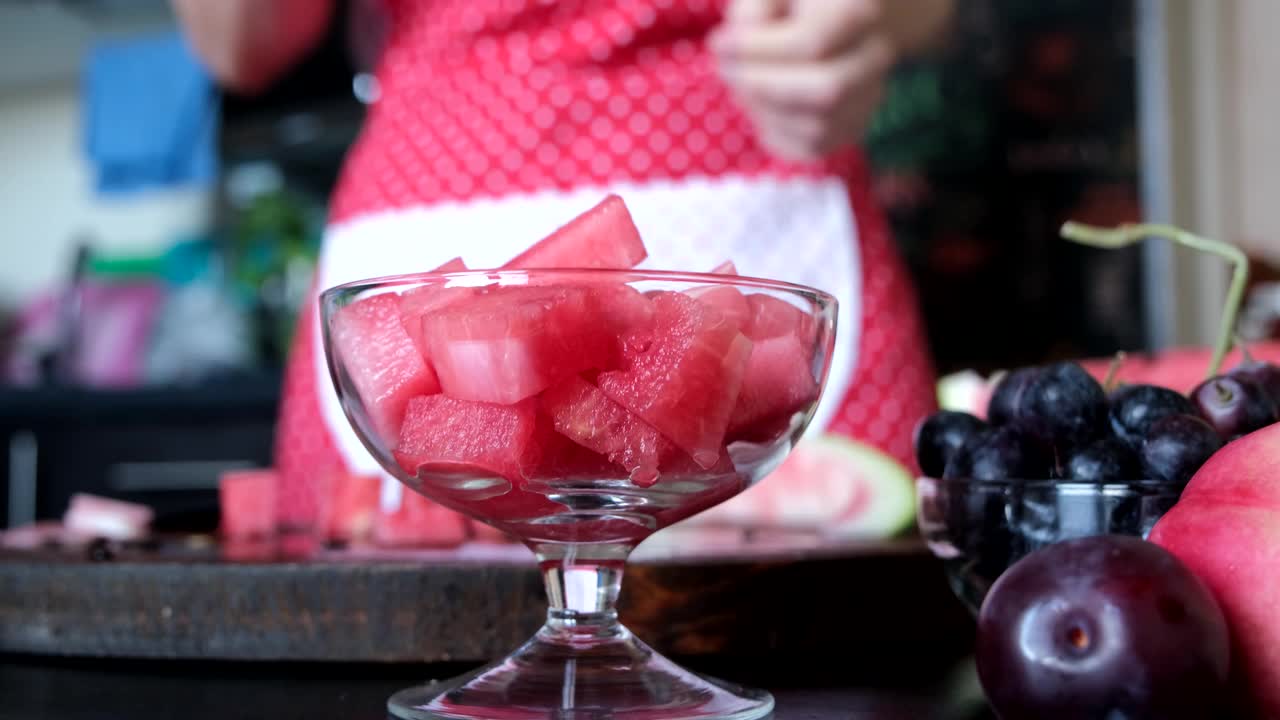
{"points": [[1134, 408], [1106, 460], [1100, 627], [1266, 375], [1007, 396], [939, 436], [1234, 405], [999, 454], [1176, 447], [1063, 406]]}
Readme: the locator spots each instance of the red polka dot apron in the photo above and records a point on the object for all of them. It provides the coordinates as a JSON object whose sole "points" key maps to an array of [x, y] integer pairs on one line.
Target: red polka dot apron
{"points": [[498, 120]]}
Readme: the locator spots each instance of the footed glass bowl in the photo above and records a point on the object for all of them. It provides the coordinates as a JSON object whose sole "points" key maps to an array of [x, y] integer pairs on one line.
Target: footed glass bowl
{"points": [[979, 529], [579, 411]]}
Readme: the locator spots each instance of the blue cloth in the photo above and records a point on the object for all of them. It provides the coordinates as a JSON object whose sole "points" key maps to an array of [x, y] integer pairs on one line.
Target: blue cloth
{"points": [[150, 115]]}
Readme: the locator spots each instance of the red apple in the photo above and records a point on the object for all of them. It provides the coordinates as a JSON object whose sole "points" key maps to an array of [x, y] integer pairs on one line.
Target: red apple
{"points": [[1226, 528]]}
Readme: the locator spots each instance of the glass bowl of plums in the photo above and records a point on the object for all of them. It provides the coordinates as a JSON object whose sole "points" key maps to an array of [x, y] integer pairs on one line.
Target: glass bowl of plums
{"points": [[1058, 456]]}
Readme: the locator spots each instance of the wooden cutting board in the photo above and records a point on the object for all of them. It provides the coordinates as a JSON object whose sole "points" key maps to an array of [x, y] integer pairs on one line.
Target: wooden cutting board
{"points": [[710, 594]]}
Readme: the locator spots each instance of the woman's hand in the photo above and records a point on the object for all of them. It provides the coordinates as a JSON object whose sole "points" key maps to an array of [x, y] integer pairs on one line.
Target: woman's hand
{"points": [[811, 73]]}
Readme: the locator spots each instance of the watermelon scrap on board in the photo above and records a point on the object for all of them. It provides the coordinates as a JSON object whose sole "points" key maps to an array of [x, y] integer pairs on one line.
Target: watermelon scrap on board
{"points": [[352, 504], [510, 343], [381, 361], [830, 483], [247, 503], [445, 435], [419, 522], [683, 378], [602, 237], [109, 518]]}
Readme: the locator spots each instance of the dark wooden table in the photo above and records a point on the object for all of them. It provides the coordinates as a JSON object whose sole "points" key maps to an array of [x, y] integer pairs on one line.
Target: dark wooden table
{"points": [[60, 689], [835, 630]]}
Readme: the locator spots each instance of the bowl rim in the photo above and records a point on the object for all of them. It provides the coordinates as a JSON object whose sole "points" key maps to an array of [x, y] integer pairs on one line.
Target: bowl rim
{"points": [[623, 275], [1040, 483]]}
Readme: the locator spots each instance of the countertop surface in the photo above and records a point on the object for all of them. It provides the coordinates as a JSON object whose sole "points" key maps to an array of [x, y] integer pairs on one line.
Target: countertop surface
{"points": [[57, 689]]}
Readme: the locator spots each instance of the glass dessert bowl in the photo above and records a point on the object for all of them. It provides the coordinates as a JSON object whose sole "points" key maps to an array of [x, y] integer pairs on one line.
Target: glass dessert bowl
{"points": [[978, 528], [580, 411]]}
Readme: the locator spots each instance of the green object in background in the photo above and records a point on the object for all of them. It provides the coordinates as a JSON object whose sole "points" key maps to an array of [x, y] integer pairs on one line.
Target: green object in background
{"points": [[273, 243]]}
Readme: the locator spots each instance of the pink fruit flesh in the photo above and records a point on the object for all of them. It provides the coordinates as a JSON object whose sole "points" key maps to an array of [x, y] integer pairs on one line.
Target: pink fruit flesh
{"points": [[684, 379], [417, 302], [419, 522], [777, 384], [352, 506], [510, 343], [771, 317], [603, 237], [247, 503], [727, 300], [447, 436], [381, 361], [585, 415], [725, 268]]}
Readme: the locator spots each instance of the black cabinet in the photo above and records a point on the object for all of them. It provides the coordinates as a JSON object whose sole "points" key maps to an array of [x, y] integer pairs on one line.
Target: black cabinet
{"points": [[164, 447]]}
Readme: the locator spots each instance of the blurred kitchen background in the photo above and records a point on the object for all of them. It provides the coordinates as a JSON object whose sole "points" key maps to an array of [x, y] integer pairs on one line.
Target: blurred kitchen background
{"points": [[156, 235]]}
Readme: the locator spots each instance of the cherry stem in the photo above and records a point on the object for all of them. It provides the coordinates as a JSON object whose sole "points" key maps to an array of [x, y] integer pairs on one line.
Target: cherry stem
{"points": [[1245, 355], [1109, 382], [1130, 234]]}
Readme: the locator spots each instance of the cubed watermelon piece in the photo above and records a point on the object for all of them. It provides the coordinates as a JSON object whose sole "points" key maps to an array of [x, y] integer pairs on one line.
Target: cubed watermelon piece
{"points": [[585, 415], [510, 343], [417, 302], [381, 360], [352, 504], [771, 317], [725, 268], [603, 237], [419, 522], [727, 300], [560, 458], [684, 377], [247, 503], [458, 436], [778, 383]]}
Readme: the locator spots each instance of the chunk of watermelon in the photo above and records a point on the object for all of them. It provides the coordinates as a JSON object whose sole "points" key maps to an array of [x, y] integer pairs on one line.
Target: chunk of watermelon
{"points": [[725, 268], [684, 377], [727, 300], [771, 317], [585, 415], [560, 458], [417, 302], [622, 307], [419, 522], [603, 237], [777, 384], [510, 343], [352, 504], [247, 503], [459, 437], [381, 361]]}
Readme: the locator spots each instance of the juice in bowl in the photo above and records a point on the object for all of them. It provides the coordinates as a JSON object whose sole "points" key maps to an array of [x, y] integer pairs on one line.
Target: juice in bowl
{"points": [[579, 409]]}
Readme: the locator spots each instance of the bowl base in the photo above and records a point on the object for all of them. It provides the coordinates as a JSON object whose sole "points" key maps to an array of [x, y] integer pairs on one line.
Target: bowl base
{"points": [[615, 677]]}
